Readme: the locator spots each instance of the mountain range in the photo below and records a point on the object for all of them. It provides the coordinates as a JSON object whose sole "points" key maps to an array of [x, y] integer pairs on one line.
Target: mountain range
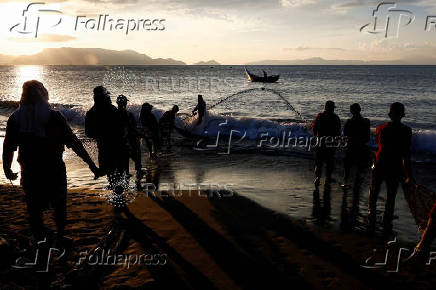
{"points": [[322, 61], [209, 62], [100, 56], [86, 56]]}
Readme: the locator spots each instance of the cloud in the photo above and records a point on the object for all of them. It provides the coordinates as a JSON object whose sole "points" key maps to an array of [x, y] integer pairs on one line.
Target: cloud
{"points": [[303, 48], [26, 2], [297, 3], [370, 3], [45, 38]]}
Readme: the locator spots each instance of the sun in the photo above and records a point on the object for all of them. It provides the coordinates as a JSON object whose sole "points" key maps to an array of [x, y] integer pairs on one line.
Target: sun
{"points": [[25, 73]]}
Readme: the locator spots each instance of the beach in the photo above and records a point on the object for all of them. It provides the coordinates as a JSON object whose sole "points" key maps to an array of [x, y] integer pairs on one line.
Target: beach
{"points": [[205, 241], [220, 214], [285, 144]]}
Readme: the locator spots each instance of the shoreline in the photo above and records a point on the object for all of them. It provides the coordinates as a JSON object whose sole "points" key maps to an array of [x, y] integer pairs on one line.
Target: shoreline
{"points": [[209, 242]]}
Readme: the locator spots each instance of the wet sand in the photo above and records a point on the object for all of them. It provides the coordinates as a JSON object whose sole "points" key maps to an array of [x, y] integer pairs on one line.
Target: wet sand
{"points": [[206, 242]]}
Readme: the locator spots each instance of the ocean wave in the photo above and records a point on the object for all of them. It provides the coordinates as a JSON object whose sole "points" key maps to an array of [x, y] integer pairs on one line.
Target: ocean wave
{"points": [[423, 141]]}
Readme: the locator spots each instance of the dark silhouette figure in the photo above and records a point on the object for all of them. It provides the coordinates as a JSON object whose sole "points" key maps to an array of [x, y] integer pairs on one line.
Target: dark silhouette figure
{"points": [[265, 75], [326, 126], [103, 124], [201, 108], [166, 125], [392, 163], [357, 131], [131, 137], [151, 129], [41, 134]]}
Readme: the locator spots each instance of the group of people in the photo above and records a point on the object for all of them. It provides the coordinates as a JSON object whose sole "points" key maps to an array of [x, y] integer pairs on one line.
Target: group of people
{"points": [[392, 162], [41, 133], [118, 135]]}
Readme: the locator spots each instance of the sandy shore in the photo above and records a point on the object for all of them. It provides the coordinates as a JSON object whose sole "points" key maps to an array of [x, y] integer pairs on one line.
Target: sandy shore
{"points": [[196, 242]]}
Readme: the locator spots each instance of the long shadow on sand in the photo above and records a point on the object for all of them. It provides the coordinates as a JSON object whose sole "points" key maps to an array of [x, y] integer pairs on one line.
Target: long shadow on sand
{"points": [[245, 270], [239, 212], [117, 240], [147, 237]]}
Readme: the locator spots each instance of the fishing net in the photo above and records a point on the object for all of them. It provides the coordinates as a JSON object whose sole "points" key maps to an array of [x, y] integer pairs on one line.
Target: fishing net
{"points": [[420, 201], [273, 106]]}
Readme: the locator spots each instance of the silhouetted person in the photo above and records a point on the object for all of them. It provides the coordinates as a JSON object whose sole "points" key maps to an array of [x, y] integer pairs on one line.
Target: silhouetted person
{"points": [[166, 124], [131, 138], [265, 75], [392, 163], [102, 124], [151, 128], [325, 126], [357, 131], [41, 134], [201, 108]]}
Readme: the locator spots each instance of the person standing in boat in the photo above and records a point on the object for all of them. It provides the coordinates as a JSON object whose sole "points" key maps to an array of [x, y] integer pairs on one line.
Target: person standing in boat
{"points": [[392, 164], [201, 108], [357, 131], [326, 125]]}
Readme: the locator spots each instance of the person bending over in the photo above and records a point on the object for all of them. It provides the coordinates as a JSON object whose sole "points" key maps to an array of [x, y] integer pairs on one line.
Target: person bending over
{"points": [[166, 125]]}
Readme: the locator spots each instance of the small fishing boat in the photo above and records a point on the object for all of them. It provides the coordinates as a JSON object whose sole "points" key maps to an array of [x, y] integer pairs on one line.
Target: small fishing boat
{"points": [[264, 79]]}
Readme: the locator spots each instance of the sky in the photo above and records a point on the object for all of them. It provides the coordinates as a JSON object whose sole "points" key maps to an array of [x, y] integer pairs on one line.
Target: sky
{"points": [[229, 31]]}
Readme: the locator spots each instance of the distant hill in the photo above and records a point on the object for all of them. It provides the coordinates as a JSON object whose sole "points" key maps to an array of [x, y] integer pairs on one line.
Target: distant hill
{"points": [[321, 61], [209, 62], [86, 56]]}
